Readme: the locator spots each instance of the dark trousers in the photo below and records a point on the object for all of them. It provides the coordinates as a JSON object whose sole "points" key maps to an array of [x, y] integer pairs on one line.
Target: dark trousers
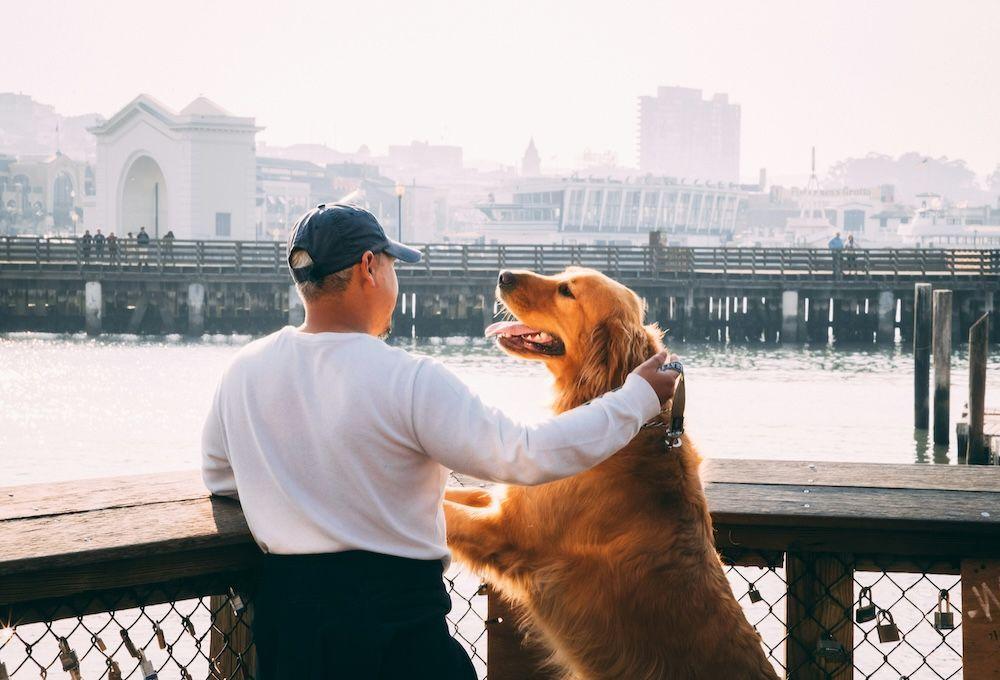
{"points": [[355, 615]]}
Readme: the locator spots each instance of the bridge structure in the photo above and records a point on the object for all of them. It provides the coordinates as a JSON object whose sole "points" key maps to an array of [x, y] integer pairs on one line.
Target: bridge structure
{"points": [[696, 294]]}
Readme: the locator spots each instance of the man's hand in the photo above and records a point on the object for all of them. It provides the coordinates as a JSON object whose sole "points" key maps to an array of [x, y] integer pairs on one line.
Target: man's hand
{"points": [[662, 380]]}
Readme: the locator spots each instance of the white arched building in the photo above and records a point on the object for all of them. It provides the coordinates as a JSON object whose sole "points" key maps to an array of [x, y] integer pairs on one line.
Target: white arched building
{"points": [[193, 172]]}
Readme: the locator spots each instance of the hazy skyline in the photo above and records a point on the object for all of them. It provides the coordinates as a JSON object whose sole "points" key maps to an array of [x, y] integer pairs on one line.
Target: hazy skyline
{"points": [[845, 76]]}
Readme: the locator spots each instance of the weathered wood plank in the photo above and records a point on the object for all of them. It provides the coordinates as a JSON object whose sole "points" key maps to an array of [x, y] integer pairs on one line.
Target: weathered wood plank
{"points": [[856, 508], [863, 475], [43, 543], [37, 500]]}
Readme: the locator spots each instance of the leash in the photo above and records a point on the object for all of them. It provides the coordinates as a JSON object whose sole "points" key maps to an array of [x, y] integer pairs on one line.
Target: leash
{"points": [[673, 430]]}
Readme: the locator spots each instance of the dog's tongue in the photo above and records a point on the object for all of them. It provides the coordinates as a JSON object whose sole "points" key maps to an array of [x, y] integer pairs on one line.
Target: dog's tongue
{"points": [[509, 328]]}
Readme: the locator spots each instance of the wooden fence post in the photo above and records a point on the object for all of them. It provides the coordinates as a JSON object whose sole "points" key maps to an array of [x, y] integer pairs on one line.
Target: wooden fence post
{"points": [[979, 340], [231, 652], [980, 639], [942, 365], [820, 600], [921, 354]]}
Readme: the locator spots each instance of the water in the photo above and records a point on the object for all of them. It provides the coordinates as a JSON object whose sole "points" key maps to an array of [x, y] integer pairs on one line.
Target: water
{"points": [[77, 407]]}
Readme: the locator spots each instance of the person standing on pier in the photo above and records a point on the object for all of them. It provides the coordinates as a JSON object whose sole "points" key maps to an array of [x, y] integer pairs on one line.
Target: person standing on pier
{"points": [[339, 447], [99, 244], [86, 242], [112, 248], [836, 245], [142, 243]]}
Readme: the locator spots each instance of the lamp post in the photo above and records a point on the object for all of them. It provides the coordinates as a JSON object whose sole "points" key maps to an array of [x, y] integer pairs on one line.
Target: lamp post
{"points": [[400, 190]]}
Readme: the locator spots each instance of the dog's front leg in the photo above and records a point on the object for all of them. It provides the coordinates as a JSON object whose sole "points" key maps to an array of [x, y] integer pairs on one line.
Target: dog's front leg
{"points": [[479, 538], [476, 498]]}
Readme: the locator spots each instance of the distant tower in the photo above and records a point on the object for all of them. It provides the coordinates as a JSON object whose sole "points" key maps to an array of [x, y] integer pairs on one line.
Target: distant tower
{"points": [[812, 205], [531, 162]]}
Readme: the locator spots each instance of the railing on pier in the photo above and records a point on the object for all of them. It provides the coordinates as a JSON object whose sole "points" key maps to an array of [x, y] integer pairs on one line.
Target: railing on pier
{"points": [[155, 557], [256, 258]]}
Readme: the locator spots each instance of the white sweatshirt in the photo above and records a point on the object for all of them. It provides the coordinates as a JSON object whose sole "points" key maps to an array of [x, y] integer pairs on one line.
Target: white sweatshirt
{"points": [[337, 441]]}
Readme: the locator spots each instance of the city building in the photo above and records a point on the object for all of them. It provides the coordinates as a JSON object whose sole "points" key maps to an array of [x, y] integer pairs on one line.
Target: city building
{"points": [[531, 162], [192, 172], [30, 128], [683, 136], [45, 195], [612, 212], [420, 159]]}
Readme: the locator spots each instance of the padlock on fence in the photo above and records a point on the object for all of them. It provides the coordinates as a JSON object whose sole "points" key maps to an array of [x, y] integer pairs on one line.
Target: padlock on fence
{"points": [[236, 602], [128, 644], [886, 627], [161, 639], [188, 626], [866, 606], [146, 668], [99, 643], [830, 649], [944, 618], [114, 670], [754, 594], [67, 656], [3, 672]]}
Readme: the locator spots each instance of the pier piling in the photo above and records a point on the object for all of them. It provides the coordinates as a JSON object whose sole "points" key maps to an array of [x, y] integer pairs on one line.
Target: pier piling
{"points": [[196, 309], [921, 354], [790, 316], [942, 364], [94, 310], [979, 339], [886, 316]]}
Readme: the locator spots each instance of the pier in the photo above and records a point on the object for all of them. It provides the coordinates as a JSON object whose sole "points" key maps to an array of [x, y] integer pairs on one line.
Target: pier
{"points": [[158, 558], [743, 295]]}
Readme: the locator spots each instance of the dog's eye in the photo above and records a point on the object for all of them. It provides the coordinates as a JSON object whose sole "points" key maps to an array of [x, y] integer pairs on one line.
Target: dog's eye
{"points": [[565, 291]]}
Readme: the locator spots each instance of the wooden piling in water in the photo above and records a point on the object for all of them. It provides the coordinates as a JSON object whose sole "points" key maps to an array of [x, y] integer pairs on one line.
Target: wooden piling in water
{"points": [[941, 341], [979, 340], [921, 354]]}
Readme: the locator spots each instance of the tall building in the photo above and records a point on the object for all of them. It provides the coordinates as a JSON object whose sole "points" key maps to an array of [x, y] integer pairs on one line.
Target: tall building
{"points": [[684, 136], [531, 162]]}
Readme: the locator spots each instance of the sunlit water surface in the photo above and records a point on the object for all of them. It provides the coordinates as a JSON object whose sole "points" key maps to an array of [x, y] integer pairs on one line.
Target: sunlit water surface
{"points": [[74, 407]]}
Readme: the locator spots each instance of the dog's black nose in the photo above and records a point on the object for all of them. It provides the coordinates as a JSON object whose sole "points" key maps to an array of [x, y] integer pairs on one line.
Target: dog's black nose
{"points": [[507, 279]]}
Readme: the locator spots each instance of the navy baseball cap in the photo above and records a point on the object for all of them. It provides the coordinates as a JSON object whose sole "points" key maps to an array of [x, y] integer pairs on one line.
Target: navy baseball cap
{"points": [[336, 236]]}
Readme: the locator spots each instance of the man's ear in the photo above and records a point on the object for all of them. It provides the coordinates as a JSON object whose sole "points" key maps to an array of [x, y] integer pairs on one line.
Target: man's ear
{"points": [[368, 266]]}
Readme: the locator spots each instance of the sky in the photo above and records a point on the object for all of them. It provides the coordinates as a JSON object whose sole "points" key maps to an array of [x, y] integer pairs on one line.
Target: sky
{"points": [[849, 77]]}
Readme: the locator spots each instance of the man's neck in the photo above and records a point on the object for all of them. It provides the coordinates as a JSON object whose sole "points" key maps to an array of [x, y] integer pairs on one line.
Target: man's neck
{"points": [[335, 319]]}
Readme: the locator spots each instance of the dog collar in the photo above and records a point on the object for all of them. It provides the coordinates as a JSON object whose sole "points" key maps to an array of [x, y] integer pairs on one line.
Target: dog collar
{"points": [[674, 428]]}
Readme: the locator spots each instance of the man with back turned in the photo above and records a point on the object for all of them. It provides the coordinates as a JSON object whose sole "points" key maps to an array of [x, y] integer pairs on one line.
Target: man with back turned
{"points": [[338, 446]]}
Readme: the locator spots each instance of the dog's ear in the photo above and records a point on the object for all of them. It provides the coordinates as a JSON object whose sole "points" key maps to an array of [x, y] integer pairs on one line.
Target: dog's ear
{"points": [[613, 350]]}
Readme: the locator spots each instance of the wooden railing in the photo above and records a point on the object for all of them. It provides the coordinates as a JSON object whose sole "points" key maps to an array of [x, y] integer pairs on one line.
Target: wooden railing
{"points": [[251, 258], [804, 536]]}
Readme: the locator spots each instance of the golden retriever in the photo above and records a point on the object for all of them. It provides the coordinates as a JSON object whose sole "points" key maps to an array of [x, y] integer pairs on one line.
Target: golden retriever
{"points": [[615, 569]]}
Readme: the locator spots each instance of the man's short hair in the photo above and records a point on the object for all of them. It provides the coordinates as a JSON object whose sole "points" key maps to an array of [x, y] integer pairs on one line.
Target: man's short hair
{"points": [[336, 282]]}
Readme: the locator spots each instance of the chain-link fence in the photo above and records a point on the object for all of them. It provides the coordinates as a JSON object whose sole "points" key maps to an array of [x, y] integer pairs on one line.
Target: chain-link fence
{"points": [[828, 621], [835, 616]]}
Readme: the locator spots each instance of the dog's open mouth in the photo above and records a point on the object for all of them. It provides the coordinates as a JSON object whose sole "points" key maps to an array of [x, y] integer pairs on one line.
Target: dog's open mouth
{"points": [[515, 336]]}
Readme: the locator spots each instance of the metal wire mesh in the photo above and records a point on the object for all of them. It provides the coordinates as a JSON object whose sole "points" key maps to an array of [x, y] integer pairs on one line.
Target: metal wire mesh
{"points": [[207, 636], [808, 625], [805, 622]]}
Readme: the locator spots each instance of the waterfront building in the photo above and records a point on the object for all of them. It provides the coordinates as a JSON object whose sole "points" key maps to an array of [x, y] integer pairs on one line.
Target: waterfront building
{"points": [[684, 136], [612, 212], [192, 172], [52, 194]]}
